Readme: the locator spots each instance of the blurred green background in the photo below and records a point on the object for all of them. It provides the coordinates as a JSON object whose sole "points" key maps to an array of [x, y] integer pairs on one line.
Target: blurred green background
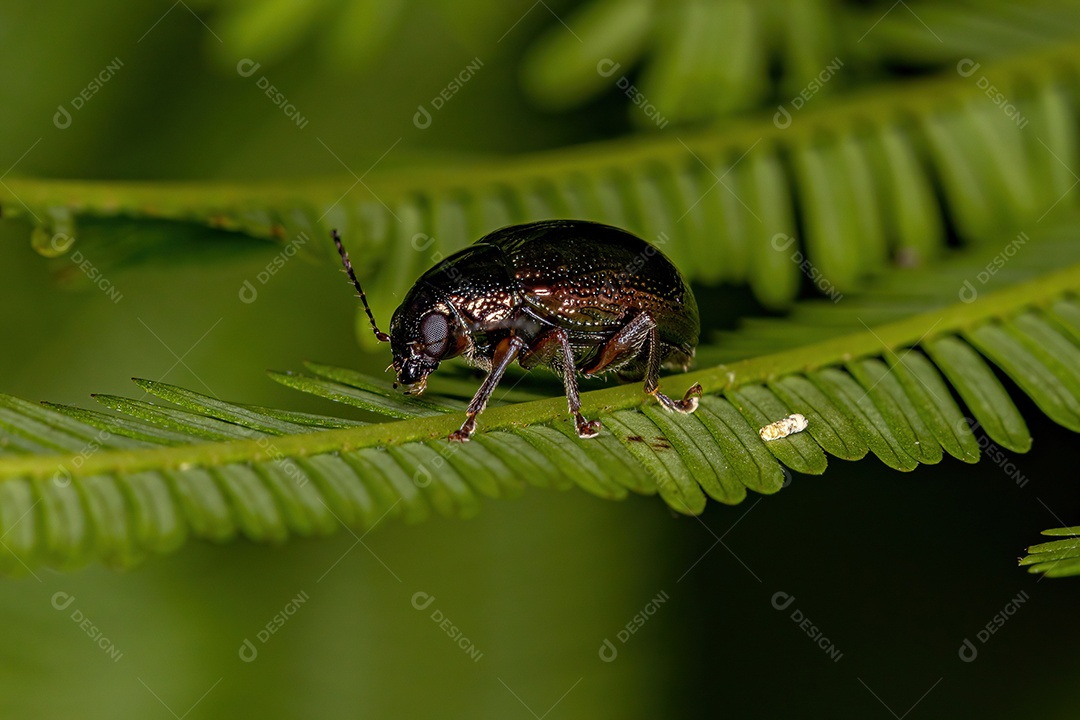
{"points": [[896, 570]]}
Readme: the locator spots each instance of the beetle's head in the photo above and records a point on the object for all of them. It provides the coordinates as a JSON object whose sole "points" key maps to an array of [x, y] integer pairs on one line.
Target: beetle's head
{"points": [[423, 332]]}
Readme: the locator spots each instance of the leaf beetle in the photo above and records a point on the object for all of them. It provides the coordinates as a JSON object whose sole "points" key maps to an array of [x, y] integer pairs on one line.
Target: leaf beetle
{"points": [[571, 295]]}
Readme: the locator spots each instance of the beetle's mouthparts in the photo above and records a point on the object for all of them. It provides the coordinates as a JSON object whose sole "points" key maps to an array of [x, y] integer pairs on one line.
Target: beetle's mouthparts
{"points": [[417, 388]]}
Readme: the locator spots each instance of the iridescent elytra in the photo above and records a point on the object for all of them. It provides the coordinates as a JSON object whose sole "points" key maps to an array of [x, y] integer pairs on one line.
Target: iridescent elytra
{"points": [[570, 295]]}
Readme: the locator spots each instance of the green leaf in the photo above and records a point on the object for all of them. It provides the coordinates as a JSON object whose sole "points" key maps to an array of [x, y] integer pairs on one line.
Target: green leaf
{"points": [[828, 425], [984, 395], [866, 417], [932, 400], [904, 418], [1029, 371], [761, 407], [1060, 558]]}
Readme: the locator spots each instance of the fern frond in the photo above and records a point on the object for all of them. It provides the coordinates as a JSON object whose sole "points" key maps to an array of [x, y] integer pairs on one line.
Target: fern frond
{"points": [[685, 73], [850, 186], [687, 60], [79, 485], [1057, 558], [934, 32]]}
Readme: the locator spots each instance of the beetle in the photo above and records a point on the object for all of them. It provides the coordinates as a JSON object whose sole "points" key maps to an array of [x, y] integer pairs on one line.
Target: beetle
{"points": [[570, 295]]}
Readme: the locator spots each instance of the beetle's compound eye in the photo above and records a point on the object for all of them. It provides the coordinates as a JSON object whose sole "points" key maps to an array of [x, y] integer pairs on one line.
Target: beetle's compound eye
{"points": [[434, 332]]}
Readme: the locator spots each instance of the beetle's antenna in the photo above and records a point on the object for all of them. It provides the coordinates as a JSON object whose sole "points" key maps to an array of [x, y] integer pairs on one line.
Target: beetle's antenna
{"points": [[379, 334]]}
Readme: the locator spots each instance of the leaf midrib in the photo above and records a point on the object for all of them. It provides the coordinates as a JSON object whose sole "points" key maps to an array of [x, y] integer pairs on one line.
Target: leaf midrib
{"points": [[884, 338]]}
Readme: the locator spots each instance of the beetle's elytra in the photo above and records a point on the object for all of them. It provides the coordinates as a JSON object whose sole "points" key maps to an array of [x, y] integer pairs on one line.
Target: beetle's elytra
{"points": [[570, 295]]}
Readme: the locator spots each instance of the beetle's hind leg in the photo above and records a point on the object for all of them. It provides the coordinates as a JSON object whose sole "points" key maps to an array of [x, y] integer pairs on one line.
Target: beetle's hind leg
{"points": [[640, 333], [542, 352], [689, 403]]}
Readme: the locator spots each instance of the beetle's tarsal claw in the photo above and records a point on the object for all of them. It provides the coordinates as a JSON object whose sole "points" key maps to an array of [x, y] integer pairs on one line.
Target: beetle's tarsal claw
{"points": [[692, 396], [463, 433], [687, 405], [587, 429]]}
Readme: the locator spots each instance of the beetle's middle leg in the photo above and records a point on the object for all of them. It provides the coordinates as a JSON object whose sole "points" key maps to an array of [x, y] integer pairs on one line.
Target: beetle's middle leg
{"points": [[542, 352], [637, 335]]}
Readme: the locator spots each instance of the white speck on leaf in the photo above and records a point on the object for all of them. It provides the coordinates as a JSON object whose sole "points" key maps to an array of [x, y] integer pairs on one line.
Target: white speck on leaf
{"points": [[782, 428]]}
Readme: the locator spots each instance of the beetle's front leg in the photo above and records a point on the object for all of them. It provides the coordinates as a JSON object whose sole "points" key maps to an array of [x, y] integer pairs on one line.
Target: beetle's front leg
{"points": [[505, 352], [541, 352]]}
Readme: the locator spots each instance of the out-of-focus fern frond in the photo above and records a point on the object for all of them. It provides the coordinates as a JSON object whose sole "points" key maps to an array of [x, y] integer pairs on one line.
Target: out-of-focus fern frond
{"points": [[850, 186]]}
